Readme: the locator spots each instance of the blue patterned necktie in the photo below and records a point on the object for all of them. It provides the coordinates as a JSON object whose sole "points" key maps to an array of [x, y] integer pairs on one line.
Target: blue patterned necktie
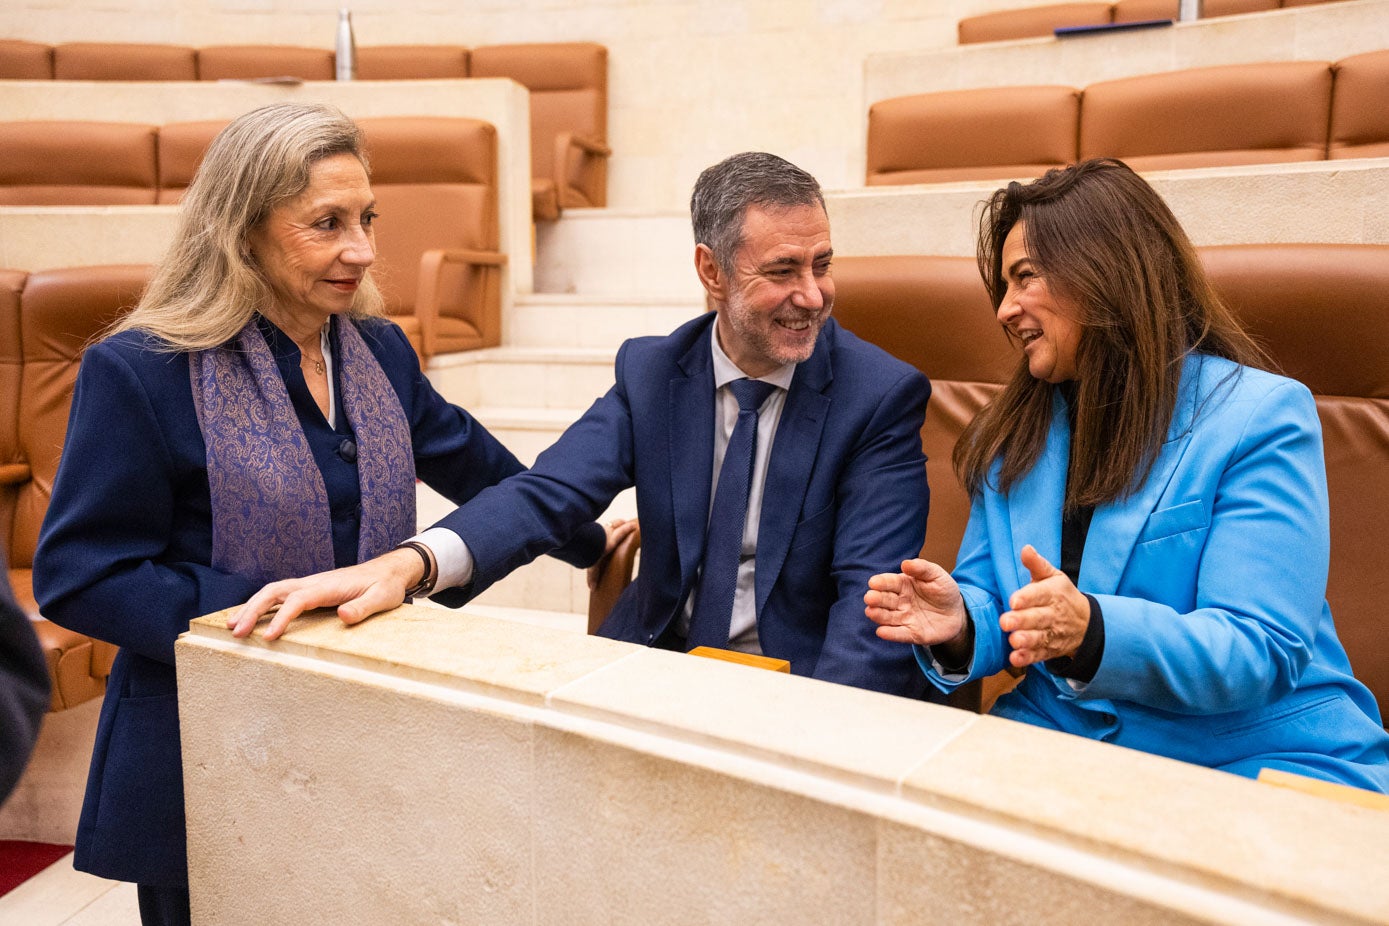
{"points": [[723, 543]]}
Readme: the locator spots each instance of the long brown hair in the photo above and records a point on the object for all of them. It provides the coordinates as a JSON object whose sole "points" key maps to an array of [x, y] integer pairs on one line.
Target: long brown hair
{"points": [[1105, 242]]}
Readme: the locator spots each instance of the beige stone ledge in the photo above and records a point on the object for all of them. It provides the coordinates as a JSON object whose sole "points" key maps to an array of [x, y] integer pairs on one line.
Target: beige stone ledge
{"points": [[1342, 202], [436, 766], [500, 101]]}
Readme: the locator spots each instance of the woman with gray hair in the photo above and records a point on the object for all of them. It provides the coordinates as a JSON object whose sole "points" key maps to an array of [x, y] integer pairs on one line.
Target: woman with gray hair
{"points": [[255, 417]]}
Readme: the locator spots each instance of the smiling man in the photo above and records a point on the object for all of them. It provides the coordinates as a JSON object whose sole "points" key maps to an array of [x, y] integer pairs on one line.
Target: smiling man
{"points": [[777, 461]]}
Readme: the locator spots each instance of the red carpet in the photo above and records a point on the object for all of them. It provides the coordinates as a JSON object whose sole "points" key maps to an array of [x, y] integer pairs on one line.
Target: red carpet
{"points": [[20, 861]]}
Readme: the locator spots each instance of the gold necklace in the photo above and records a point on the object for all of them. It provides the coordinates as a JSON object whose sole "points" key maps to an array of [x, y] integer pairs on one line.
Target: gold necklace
{"points": [[317, 364]]}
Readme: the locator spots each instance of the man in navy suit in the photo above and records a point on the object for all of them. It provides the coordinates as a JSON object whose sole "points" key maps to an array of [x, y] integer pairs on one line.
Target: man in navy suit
{"points": [[832, 488]]}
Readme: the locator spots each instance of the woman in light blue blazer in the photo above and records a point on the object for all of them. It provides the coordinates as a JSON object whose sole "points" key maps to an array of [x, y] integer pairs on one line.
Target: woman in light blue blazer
{"points": [[1179, 488]]}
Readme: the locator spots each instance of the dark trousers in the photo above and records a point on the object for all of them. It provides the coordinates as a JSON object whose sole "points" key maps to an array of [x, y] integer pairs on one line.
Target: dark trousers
{"points": [[163, 906]]}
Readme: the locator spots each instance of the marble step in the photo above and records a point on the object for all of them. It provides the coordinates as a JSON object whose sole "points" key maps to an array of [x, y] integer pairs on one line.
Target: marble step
{"points": [[520, 377], [617, 252], [575, 320]]}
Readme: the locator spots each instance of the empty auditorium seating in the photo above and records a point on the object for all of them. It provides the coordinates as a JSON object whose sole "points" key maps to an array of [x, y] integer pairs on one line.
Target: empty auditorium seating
{"points": [[1031, 21], [1003, 25], [435, 181], [1268, 112], [258, 62], [411, 62], [1319, 309], [972, 134], [46, 320], [1360, 107], [77, 163], [568, 86], [1271, 112], [124, 61], [181, 146], [20, 60]]}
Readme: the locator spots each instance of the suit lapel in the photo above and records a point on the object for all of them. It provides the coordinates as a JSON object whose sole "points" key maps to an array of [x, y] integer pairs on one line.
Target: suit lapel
{"points": [[690, 440], [1116, 527], [1036, 501], [793, 457]]}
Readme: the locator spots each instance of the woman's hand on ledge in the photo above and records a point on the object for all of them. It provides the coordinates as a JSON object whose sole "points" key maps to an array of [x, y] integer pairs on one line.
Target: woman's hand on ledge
{"points": [[1049, 614], [357, 592], [921, 605]]}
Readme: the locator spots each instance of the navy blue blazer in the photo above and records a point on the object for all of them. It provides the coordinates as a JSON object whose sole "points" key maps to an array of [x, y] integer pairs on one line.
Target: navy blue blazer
{"points": [[845, 497], [126, 547]]}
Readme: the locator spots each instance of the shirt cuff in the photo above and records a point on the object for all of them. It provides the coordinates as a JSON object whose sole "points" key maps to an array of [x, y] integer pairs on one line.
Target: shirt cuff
{"points": [[451, 555]]}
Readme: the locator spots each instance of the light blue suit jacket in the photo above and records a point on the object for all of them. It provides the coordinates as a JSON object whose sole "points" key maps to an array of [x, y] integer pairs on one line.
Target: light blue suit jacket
{"points": [[1219, 645]]}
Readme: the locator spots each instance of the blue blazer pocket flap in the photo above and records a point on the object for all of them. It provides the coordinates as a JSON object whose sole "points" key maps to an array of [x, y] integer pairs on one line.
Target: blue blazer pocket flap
{"points": [[1168, 522]]}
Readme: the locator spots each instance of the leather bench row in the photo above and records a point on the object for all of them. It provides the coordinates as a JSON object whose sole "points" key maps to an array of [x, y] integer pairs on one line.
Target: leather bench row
{"points": [[568, 84], [1269, 112], [435, 179], [1032, 21]]}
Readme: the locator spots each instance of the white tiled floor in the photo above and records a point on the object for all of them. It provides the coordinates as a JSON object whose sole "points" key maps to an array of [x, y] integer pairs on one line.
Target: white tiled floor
{"points": [[60, 896]]}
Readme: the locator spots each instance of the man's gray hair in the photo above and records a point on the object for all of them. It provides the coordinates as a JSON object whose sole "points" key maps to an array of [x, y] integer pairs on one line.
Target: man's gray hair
{"points": [[724, 192]]}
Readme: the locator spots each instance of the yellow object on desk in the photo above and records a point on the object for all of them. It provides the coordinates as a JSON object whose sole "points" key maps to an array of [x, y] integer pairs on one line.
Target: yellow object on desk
{"points": [[1336, 792], [743, 659]]}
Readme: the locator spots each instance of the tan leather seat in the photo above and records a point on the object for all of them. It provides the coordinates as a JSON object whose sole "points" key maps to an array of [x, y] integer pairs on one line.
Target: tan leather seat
{"points": [[181, 149], [1271, 112], [438, 264], [568, 84], [985, 134], [260, 62], [1136, 10], [1360, 107], [1030, 21], [124, 61], [20, 60], [411, 62], [77, 163], [59, 313]]}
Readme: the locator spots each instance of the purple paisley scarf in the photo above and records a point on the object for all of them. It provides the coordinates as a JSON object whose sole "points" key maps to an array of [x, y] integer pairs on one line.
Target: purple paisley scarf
{"points": [[270, 516]]}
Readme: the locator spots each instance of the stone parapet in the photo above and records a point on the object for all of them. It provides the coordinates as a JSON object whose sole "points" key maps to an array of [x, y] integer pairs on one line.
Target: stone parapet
{"points": [[441, 767]]}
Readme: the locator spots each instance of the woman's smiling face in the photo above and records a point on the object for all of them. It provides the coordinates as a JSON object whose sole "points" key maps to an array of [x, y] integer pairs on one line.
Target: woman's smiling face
{"points": [[1044, 323]]}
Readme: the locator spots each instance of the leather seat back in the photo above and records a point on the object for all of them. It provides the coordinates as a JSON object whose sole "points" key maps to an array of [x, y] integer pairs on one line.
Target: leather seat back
{"points": [[258, 62], [21, 60], [568, 84], [985, 134], [77, 164], [1270, 112], [124, 61], [1031, 21], [411, 62], [1360, 107], [181, 149], [435, 181]]}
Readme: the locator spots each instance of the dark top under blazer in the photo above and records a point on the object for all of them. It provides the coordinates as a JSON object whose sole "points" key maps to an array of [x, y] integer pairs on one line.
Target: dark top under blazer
{"points": [[125, 551], [845, 497]]}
